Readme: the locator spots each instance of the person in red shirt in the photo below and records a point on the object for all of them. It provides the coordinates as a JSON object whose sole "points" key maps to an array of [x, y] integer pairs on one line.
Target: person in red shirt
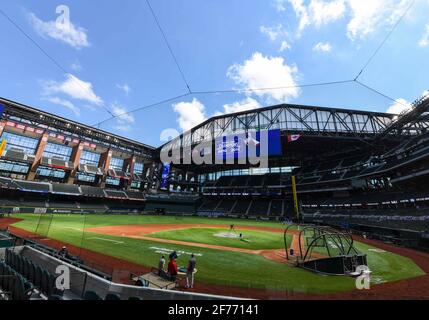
{"points": [[172, 269]]}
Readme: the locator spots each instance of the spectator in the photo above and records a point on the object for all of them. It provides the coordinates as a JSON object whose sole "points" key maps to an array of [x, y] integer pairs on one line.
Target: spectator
{"points": [[173, 255], [172, 269], [161, 266], [63, 252], [190, 272]]}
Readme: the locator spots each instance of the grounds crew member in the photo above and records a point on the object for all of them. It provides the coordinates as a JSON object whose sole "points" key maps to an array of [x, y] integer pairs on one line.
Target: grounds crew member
{"points": [[190, 272]]}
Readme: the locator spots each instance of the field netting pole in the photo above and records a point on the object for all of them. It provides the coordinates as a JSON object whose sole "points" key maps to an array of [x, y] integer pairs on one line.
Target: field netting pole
{"points": [[83, 236], [295, 198], [44, 224]]}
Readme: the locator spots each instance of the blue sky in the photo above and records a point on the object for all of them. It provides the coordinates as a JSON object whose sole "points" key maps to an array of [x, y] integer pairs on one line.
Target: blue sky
{"points": [[115, 59]]}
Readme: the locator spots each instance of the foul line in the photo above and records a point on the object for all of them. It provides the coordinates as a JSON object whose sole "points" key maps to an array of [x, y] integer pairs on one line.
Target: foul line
{"points": [[115, 241]]}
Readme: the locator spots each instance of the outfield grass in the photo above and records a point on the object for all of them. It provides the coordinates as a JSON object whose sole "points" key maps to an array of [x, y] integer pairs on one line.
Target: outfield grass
{"points": [[216, 266]]}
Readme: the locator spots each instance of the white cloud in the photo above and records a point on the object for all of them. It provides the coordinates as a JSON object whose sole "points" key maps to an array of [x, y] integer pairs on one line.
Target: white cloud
{"points": [[301, 13], [424, 40], [277, 33], [71, 35], [399, 106], [322, 47], [65, 103], [239, 106], [274, 33], [266, 72], [280, 5], [76, 66], [324, 12], [284, 46], [124, 120], [74, 88], [318, 12], [365, 16], [124, 87], [368, 15], [190, 114]]}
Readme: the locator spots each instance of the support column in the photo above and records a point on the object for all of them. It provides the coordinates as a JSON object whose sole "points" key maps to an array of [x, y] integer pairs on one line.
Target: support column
{"points": [[104, 165], [129, 167], [75, 158], [158, 182], [38, 156], [146, 169], [2, 125]]}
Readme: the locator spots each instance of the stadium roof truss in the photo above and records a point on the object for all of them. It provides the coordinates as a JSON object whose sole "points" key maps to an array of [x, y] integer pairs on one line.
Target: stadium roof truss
{"points": [[308, 120], [413, 120]]}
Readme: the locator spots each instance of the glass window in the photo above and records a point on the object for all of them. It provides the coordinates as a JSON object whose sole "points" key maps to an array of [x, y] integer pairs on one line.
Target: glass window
{"points": [[85, 177], [28, 145], [117, 164], [138, 168], [9, 166], [135, 185], [51, 173], [90, 158], [113, 181], [53, 150]]}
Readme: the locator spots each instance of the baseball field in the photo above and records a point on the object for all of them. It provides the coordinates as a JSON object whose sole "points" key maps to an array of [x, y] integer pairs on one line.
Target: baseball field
{"points": [[246, 260]]}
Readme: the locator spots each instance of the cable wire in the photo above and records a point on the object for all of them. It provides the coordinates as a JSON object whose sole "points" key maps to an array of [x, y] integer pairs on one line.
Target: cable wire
{"points": [[52, 59], [168, 46], [220, 91], [385, 39], [142, 108], [272, 88], [380, 93], [190, 92]]}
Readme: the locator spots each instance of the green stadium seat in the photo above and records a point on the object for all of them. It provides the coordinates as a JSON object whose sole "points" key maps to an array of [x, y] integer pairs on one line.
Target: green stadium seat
{"points": [[112, 297], [38, 277], [91, 295], [135, 299], [45, 281]]}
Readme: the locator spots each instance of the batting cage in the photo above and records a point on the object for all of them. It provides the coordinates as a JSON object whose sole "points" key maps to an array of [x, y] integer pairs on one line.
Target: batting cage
{"points": [[324, 250]]}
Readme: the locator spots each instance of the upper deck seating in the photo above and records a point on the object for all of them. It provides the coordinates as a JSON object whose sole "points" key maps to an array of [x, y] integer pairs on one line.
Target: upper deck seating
{"points": [[116, 194], [62, 188], [33, 186], [135, 195]]}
